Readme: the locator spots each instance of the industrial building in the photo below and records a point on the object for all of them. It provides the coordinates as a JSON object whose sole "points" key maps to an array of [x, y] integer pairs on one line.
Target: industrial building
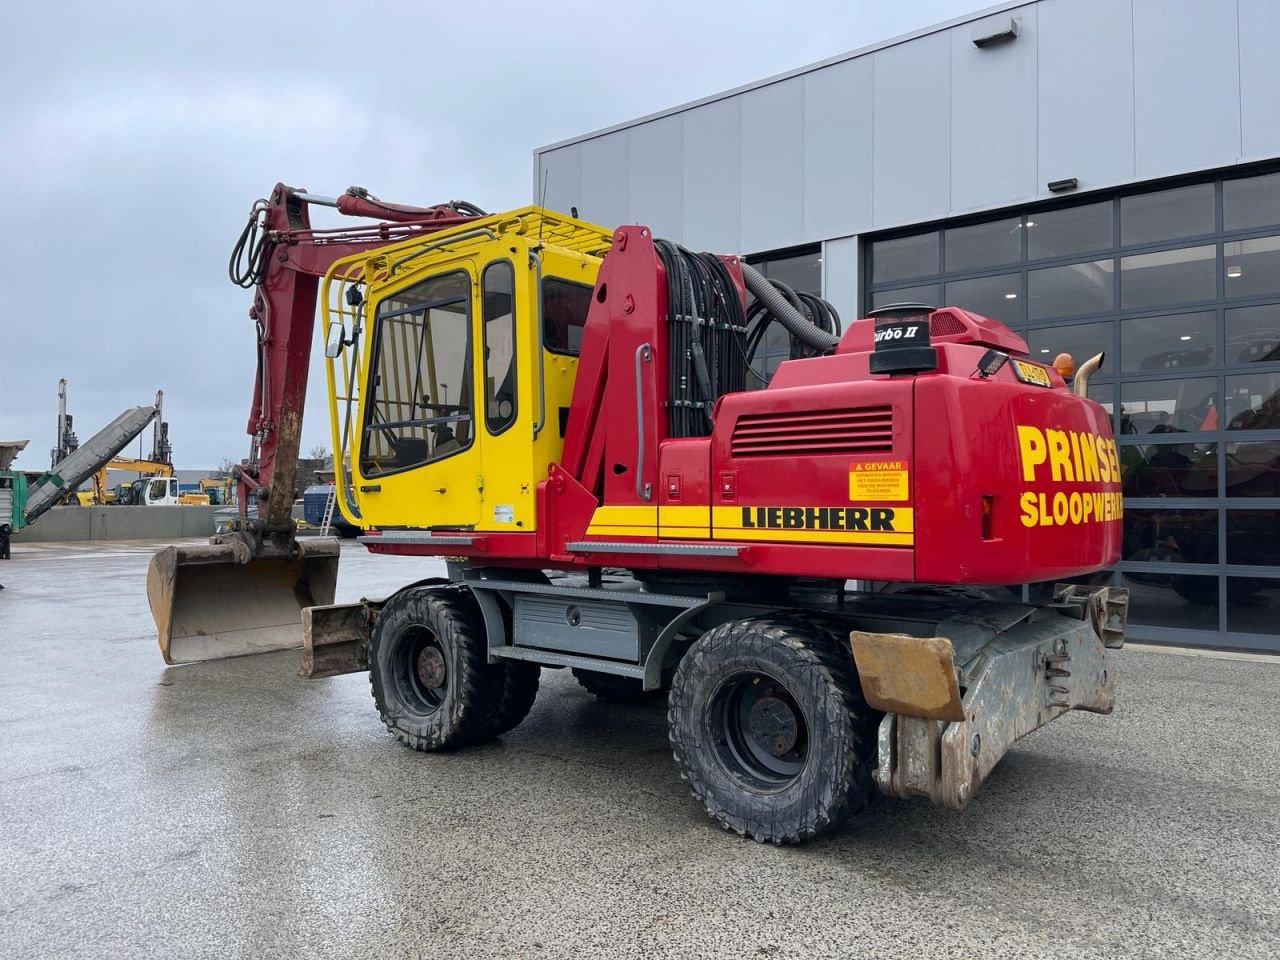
{"points": [[1098, 174]]}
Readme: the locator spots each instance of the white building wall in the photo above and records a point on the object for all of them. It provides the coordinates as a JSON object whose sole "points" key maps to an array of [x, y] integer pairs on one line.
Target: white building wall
{"points": [[929, 126]]}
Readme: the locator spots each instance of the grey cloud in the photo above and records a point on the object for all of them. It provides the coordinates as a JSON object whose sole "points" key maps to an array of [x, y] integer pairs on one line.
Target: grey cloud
{"points": [[135, 136]]}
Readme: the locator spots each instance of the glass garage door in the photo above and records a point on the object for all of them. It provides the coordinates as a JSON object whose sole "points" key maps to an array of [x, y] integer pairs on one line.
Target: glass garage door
{"points": [[1181, 287]]}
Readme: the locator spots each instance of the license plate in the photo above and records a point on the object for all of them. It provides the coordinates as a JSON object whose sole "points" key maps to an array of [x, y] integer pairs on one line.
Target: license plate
{"points": [[1031, 373]]}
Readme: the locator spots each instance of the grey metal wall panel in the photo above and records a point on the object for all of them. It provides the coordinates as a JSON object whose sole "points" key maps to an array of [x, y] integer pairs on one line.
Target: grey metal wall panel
{"points": [[657, 177], [712, 187], [1259, 105], [912, 130], [993, 114], [560, 180], [606, 179], [837, 149], [772, 166], [1085, 92], [840, 276], [1186, 73]]}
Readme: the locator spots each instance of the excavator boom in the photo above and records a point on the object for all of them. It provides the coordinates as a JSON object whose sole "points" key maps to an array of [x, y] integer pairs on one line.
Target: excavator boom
{"points": [[244, 592]]}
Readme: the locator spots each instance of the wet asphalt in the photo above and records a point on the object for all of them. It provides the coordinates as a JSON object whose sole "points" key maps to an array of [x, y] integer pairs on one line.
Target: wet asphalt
{"points": [[232, 810]]}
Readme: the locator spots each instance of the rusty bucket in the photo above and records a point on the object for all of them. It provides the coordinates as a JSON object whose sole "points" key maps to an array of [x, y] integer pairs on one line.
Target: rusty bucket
{"points": [[221, 600]]}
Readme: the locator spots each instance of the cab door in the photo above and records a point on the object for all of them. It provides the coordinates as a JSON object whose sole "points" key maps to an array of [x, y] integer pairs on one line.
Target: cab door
{"points": [[416, 462]]}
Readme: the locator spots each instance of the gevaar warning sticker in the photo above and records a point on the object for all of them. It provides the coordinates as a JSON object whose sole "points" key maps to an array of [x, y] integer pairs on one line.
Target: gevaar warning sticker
{"points": [[885, 480]]}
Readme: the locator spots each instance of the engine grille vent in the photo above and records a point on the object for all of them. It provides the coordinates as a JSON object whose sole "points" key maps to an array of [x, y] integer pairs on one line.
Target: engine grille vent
{"points": [[814, 432], [944, 323]]}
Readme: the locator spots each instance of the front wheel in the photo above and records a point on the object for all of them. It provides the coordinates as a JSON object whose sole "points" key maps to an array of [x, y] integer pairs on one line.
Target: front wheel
{"points": [[769, 728], [428, 664]]}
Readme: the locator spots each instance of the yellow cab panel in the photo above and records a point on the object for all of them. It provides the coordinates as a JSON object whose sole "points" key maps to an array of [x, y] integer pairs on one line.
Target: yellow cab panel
{"points": [[452, 415]]}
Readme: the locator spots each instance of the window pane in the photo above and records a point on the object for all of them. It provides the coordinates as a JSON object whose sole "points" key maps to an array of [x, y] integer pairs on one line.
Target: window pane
{"points": [[905, 257], [1253, 334], [983, 245], [1249, 203], [1253, 469], [1167, 215], [499, 346], [1253, 402], [420, 404], [1168, 277], [1159, 343], [1081, 340], [1253, 605], [1077, 288], [564, 314], [802, 272], [1103, 394], [1189, 602], [928, 294], [1167, 406], [994, 297], [1062, 233], [1171, 536], [1252, 266], [1169, 470], [1253, 538]]}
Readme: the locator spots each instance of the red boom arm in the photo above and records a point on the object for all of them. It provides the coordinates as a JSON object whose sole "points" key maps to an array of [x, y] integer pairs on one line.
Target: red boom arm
{"points": [[282, 257]]}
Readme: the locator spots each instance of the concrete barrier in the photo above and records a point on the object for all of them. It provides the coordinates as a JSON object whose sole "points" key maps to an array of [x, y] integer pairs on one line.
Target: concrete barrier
{"points": [[119, 523]]}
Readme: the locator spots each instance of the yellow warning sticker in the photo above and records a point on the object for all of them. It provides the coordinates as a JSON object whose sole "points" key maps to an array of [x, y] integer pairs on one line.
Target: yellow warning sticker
{"points": [[879, 480]]}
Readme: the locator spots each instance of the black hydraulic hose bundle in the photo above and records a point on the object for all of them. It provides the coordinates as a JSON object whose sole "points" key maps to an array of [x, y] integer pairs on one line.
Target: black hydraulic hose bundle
{"points": [[707, 334], [713, 341], [811, 335], [249, 257]]}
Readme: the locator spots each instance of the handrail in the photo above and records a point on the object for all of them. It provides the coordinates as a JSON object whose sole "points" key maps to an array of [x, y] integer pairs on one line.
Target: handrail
{"points": [[644, 491]]}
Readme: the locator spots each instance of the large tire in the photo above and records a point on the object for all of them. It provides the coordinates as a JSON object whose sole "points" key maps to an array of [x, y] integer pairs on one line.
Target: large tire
{"points": [[519, 690], [428, 665], [611, 688], [769, 728]]}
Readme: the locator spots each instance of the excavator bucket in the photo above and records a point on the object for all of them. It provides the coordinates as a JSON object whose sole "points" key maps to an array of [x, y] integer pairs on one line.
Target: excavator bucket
{"points": [[219, 600]]}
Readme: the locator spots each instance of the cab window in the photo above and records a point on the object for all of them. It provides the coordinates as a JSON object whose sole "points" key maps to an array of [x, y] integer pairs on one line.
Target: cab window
{"points": [[419, 405], [564, 314], [498, 285]]}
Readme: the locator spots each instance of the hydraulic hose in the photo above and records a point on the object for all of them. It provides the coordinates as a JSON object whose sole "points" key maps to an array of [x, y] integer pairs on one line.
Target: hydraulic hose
{"points": [[808, 333]]}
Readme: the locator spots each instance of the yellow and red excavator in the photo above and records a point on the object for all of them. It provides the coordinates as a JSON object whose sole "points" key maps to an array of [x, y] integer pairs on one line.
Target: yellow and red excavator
{"points": [[569, 415]]}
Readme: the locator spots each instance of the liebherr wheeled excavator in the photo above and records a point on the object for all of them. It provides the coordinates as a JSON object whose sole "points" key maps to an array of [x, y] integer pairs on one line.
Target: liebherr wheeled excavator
{"points": [[568, 414]]}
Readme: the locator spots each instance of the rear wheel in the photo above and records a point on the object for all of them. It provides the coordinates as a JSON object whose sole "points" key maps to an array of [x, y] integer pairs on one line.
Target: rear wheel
{"points": [[519, 689], [769, 728], [428, 665]]}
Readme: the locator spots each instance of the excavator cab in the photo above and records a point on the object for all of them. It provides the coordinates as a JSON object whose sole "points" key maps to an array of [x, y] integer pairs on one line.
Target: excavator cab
{"points": [[447, 410]]}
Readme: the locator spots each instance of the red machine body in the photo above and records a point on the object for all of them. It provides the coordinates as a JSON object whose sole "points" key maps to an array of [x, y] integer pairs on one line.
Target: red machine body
{"points": [[947, 476]]}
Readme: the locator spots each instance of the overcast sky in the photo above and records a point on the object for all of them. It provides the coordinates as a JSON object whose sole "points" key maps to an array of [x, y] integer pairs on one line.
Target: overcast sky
{"points": [[135, 137]]}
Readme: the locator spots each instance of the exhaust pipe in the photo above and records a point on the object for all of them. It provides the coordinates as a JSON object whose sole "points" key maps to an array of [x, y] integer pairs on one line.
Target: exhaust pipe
{"points": [[1080, 386]]}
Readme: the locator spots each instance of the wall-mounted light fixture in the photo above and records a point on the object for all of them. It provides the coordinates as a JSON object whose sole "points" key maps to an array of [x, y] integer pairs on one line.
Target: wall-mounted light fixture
{"points": [[992, 34], [1062, 186]]}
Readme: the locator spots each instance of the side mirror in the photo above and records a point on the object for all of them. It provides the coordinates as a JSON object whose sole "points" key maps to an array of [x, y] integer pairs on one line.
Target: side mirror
{"points": [[334, 341]]}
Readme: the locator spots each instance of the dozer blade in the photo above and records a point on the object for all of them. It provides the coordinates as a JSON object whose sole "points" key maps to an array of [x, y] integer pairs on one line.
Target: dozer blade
{"points": [[218, 600]]}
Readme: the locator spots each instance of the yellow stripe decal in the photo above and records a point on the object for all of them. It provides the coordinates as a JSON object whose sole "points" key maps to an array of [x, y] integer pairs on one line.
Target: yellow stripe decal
{"points": [[628, 516]]}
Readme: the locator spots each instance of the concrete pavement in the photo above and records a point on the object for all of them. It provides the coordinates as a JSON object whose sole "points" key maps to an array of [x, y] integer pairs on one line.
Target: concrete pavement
{"points": [[233, 810]]}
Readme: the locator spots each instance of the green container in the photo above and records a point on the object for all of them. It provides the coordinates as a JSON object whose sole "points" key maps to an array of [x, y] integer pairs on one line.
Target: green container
{"points": [[13, 499]]}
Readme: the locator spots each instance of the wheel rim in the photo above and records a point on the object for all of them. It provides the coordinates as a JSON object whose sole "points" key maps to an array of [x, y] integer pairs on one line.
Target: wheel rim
{"points": [[761, 735], [422, 670]]}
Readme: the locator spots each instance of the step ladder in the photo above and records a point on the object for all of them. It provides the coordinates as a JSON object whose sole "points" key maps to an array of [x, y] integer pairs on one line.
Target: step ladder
{"points": [[328, 511]]}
